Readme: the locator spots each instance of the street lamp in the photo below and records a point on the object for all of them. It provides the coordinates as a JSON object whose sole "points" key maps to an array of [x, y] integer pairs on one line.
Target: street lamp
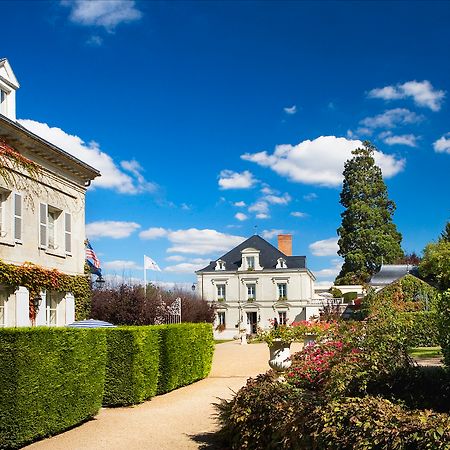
{"points": [[193, 287]]}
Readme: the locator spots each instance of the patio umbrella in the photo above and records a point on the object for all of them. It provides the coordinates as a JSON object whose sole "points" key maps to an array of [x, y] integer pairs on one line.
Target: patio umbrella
{"points": [[90, 323]]}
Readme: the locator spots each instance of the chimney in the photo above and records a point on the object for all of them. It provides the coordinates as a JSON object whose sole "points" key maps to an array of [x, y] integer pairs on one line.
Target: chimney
{"points": [[285, 244]]}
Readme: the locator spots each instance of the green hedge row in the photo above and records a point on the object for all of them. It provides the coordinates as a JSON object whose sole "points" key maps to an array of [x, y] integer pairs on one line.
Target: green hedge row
{"points": [[50, 380], [132, 365], [421, 328], [186, 354], [444, 325], [54, 378]]}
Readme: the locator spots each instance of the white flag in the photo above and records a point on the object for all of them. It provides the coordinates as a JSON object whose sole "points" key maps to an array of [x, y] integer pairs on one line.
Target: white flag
{"points": [[149, 264]]}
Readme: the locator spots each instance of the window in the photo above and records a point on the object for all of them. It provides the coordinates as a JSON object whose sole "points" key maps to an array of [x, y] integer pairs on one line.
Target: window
{"points": [[49, 227], [3, 299], [251, 291], [17, 217], [51, 309], [282, 291], [68, 232], [250, 262], [220, 265], [281, 264], [221, 318], [282, 317], [220, 292]]}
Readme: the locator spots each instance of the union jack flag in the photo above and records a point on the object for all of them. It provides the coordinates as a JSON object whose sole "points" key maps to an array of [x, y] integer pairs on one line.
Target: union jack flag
{"points": [[90, 255]]}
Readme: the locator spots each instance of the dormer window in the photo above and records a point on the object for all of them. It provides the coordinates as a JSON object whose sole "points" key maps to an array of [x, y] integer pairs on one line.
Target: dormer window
{"points": [[220, 265], [250, 259], [281, 263]]}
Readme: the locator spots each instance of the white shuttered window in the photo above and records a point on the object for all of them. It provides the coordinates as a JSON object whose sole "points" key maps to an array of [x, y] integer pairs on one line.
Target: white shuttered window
{"points": [[43, 220], [68, 232], [18, 216]]}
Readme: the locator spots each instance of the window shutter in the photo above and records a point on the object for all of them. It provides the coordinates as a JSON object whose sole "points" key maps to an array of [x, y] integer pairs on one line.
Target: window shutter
{"points": [[43, 217], [68, 232], [18, 217]]}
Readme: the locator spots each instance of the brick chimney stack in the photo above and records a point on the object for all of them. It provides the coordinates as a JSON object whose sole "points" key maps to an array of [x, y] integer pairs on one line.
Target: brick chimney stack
{"points": [[285, 244]]}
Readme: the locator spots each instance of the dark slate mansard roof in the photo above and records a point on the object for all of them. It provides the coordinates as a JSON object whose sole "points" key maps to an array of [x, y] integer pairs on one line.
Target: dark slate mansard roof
{"points": [[268, 256]]}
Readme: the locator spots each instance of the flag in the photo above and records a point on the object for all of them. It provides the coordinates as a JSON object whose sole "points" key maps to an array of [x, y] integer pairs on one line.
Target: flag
{"points": [[92, 260], [149, 264]]}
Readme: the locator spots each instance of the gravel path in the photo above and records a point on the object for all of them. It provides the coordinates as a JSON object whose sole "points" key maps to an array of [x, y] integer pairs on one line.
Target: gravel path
{"points": [[178, 420]]}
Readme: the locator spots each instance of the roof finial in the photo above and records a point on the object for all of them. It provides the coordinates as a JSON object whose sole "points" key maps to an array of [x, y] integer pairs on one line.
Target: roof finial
{"points": [[256, 229]]}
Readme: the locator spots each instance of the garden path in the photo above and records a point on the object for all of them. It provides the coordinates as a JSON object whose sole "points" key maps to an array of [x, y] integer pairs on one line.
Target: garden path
{"points": [[178, 420]]}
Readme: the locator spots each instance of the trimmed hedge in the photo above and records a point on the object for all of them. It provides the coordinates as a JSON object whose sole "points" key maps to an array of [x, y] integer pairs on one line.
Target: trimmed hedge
{"points": [[186, 354], [421, 328], [132, 365], [51, 380], [444, 325]]}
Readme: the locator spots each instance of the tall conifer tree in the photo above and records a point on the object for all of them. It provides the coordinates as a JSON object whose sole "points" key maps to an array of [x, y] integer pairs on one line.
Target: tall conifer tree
{"points": [[367, 235]]}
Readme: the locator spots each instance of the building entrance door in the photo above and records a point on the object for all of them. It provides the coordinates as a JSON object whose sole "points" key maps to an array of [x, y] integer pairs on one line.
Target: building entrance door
{"points": [[252, 322]]}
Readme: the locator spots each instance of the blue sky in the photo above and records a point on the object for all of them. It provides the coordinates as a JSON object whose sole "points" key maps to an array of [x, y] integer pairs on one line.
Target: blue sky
{"points": [[210, 118]]}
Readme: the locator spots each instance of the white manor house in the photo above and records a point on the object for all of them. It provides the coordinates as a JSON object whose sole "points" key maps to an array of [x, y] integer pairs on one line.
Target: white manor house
{"points": [[42, 220], [256, 282]]}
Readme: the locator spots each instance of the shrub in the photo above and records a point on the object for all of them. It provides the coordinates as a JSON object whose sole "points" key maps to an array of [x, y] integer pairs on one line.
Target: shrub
{"points": [[421, 328], [349, 296], [186, 354], [256, 417], [444, 325], [52, 379], [131, 305], [132, 365], [375, 423]]}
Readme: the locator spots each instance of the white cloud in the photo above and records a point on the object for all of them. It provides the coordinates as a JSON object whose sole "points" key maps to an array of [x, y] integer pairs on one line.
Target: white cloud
{"points": [[442, 145], [240, 204], [326, 247], [188, 267], [404, 139], [298, 214], [260, 206], [193, 240], [120, 265], [290, 110], [153, 233], [278, 200], [176, 258], [269, 234], [111, 175], [422, 92], [201, 242], [310, 197], [268, 190], [111, 229], [319, 162], [330, 272], [389, 119], [241, 216], [262, 216], [107, 14], [235, 180]]}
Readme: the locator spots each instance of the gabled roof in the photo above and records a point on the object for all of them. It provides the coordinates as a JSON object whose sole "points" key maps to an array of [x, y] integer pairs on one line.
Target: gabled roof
{"points": [[390, 273], [268, 256]]}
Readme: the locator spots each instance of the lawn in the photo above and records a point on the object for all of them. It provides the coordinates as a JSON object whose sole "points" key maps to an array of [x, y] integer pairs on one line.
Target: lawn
{"points": [[425, 352]]}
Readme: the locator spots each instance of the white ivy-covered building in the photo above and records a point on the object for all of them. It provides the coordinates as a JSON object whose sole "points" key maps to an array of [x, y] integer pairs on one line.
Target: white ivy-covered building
{"points": [[42, 215], [256, 282]]}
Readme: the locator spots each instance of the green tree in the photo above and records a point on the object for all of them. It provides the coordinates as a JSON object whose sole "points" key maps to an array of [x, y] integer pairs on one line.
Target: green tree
{"points": [[368, 237], [435, 265], [445, 235]]}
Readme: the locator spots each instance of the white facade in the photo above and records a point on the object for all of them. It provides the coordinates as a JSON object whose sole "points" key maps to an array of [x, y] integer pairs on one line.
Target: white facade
{"points": [[42, 219], [252, 295]]}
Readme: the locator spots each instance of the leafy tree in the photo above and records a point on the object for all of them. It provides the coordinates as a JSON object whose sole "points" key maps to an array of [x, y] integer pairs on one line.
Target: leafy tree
{"points": [[435, 265], [445, 235], [368, 237]]}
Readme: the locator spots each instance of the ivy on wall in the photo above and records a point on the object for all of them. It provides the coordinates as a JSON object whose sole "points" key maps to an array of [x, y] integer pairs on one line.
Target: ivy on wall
{"points": [[37, 279]]}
